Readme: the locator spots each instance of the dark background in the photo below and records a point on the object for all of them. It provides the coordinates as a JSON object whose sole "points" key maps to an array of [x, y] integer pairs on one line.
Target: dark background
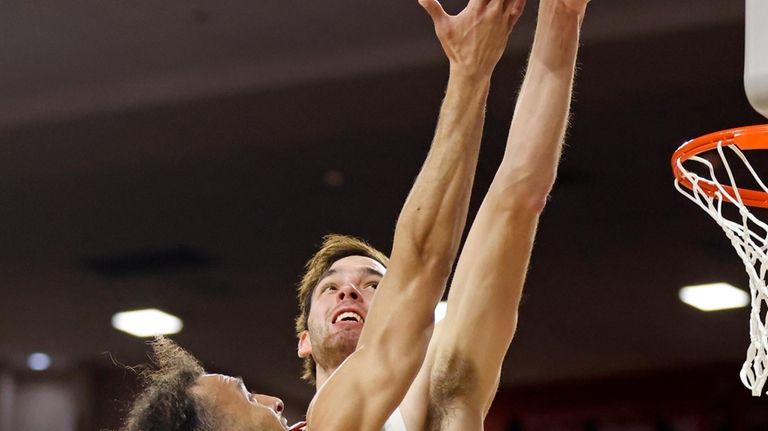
{"points": [[189, 155]]}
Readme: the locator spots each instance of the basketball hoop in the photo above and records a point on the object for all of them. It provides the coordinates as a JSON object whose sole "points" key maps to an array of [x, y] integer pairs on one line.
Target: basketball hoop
{"points": [[748, 234]]}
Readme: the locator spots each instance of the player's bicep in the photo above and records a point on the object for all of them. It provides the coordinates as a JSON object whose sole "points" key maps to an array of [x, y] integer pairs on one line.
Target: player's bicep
{"points": [[400, 320], [345, 401]]}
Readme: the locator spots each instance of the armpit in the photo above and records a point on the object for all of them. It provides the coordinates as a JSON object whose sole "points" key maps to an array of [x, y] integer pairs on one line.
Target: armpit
{"points": [[452, 380]]}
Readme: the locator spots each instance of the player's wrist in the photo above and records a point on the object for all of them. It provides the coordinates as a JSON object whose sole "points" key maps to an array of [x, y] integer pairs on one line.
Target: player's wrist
{"points": [[470, 75]]}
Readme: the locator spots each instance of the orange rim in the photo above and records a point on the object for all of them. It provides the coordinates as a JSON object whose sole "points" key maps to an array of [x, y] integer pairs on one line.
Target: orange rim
{"points": [[745, 138]]}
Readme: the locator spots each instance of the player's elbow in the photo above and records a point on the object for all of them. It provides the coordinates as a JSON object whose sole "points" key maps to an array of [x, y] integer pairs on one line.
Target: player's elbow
{"points": [[437, 262], [533, 203], [521, 197]]}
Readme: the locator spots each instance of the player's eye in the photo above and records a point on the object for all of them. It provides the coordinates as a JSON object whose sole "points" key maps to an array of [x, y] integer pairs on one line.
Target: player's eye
{"points": [[373, 285], [251, 398]]}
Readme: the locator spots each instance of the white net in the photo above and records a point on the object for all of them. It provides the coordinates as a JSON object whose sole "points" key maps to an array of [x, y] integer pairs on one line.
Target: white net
{"points": [[749, 237]]}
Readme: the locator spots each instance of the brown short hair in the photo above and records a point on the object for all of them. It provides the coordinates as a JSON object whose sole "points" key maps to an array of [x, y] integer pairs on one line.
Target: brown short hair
{"points": [[333, 248], [165, 402]]}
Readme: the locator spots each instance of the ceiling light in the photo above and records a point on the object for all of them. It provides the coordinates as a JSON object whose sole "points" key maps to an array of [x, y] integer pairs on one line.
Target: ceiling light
{"points": [[440, 310], [38, 361], [147, 323], [716, 296]]}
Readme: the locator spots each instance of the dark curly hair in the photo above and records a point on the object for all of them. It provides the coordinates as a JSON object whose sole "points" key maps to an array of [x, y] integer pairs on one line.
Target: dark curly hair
{"points": [[165, 402]]}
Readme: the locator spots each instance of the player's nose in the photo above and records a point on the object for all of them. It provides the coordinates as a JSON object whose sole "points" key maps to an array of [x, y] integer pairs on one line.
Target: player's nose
{"points": [[348, 291], [273, 403]]}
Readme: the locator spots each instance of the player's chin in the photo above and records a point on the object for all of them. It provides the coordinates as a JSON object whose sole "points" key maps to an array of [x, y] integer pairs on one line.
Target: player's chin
{"points": [[347, 333]]}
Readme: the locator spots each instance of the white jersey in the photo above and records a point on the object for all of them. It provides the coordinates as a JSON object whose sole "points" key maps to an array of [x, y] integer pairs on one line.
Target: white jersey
{"points": [[395, 422]]}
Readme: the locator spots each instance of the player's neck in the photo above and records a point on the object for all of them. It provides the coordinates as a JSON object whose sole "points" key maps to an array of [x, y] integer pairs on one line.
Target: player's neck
{"points": [[322, 375]]}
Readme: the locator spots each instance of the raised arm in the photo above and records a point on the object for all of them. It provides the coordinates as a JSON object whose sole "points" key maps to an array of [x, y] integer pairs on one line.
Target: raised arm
{"points": [[466, 353], [369, 385]]}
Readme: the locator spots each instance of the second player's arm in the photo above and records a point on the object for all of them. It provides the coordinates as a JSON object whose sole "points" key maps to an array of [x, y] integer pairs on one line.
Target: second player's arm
{"points": [[466, 353]]}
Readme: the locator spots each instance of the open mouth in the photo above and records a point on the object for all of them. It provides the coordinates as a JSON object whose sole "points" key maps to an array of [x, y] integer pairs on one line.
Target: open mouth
{"points": [[348, 316]]}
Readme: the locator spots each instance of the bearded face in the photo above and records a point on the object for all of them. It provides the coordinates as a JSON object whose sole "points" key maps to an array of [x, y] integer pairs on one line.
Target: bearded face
{"points": [[339, 306]]}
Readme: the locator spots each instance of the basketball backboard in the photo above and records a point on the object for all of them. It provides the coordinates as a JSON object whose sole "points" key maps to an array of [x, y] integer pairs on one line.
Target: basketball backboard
{"points": [[756, 55]]}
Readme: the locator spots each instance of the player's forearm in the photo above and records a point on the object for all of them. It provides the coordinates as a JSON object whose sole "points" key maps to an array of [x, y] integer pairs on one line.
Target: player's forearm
{"points": [[541, 115], [434, 214], [426, 239]]}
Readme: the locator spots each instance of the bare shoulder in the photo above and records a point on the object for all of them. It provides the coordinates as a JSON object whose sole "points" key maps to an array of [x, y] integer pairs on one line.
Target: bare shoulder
{"points": [[333, 409]]}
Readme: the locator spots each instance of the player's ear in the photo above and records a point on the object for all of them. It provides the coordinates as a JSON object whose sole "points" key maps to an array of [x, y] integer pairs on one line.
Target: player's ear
{"points": [[305, 345]]}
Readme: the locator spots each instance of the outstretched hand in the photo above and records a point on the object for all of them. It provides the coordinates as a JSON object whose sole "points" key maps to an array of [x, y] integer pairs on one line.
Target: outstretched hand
{"points": [[475, 39]]}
